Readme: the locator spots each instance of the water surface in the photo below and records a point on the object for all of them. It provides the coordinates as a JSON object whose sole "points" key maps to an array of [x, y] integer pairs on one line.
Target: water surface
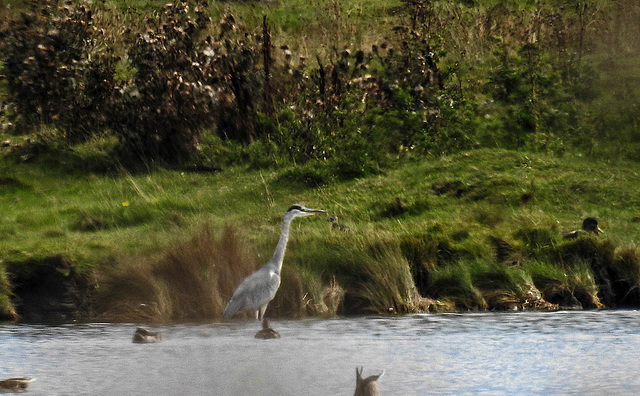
{"points": [[559, 353]]}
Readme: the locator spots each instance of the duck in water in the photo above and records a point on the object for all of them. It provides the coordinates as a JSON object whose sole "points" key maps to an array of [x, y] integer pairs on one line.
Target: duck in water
{"points": [[267, 332], [144, 336], [17, 384], [367, 386]]}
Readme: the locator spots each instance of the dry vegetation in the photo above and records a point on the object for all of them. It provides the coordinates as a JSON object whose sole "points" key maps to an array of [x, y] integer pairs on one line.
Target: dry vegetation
{"points": [[196, 278], [193, 281]]}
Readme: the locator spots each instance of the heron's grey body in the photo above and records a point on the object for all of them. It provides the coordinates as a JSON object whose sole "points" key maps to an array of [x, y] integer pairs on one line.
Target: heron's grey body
{"points": [[257, 289]]}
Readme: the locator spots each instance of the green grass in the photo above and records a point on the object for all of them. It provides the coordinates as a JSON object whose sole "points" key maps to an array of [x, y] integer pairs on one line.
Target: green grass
{"points": [[475, 230], [131, 222]]}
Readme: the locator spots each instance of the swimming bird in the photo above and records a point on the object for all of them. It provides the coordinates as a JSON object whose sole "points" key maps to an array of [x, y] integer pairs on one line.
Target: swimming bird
{"points": [[589, 225], [256, 290], [267, 332], [367, 386], [15, 384], [144, 336]]}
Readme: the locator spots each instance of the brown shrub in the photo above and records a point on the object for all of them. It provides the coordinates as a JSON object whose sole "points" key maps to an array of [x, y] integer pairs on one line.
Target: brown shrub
{"points": [[193, 281]]}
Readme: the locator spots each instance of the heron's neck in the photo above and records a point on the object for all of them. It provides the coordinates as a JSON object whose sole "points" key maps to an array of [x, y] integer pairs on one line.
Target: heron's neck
{"points": [[278, 255]]}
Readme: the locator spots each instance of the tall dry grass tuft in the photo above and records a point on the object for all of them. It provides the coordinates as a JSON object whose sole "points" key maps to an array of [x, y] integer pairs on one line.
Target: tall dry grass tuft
{"points": [[192, 281], [333, 296], [7, 310], [302, 293], [386, 283]]}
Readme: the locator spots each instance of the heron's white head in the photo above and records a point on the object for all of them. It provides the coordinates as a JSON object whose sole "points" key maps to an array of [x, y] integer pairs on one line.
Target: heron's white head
{"points": [[299, 210]]}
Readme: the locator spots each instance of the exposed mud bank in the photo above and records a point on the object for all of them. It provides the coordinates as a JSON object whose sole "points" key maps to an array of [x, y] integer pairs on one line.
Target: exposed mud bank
{"points": [[49, 290]]}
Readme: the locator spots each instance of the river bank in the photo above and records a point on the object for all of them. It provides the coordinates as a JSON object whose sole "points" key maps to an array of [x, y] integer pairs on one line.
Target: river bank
{"points": [[447, 234]]}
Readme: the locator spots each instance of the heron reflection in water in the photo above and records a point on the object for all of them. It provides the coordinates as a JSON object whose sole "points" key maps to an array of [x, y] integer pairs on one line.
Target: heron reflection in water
{"points": [[258, 289]]}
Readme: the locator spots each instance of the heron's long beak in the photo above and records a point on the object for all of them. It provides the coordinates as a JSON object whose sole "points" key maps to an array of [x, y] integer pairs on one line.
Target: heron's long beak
{"points": [[311, 211]]}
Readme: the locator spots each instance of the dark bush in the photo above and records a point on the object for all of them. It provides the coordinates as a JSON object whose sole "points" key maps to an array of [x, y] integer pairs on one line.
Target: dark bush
{"points": [[160, 111], [186, 81], [181, 77], [55, 73], [174, 82]]}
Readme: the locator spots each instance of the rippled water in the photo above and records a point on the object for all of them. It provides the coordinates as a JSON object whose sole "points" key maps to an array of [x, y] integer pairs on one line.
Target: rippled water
{"points": [[482, 353]]}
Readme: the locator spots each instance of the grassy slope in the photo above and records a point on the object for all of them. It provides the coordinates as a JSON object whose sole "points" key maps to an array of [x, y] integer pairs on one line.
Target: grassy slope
{"points": [[82, 216], [96, 222], [47, 212]]}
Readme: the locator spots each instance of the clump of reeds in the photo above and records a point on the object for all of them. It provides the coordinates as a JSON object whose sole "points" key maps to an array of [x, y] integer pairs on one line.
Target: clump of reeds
{"points": [[7, 310], [488, 285], [627, 268], [302, 293], [454, 283], [192, 281], [567, 286], [593, 257], [383, 282], [389, 286], [361, 274]]}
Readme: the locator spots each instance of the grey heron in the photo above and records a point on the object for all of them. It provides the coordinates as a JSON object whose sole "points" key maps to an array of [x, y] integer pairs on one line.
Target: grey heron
{"points": [[589, 225], [367, 386], [256, 290]]}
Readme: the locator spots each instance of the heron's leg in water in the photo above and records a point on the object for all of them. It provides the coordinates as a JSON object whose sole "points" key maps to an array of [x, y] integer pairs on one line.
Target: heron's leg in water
{"points": [[261, 312]]}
